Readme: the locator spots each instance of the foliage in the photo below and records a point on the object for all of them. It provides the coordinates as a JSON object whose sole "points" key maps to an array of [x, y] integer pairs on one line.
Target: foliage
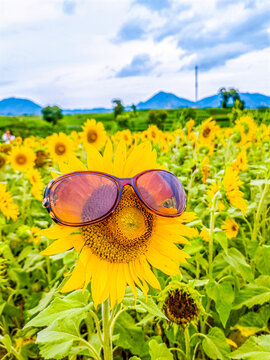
{"points": [[52, 114], [232, 276], [118, 108]]}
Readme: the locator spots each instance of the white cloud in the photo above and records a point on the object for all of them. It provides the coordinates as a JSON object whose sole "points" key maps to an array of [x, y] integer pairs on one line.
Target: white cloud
{"points": [[54, 55]]}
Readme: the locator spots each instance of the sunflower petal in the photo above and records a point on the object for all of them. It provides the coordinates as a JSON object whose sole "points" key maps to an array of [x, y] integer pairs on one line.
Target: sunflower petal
{"points": [[56, 231], [59, 246]]}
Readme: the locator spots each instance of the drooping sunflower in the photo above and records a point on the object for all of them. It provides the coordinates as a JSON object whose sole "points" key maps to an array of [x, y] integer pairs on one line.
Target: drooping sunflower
{"points": [[60, 147], [213, 189], [231, 183], [181, 303], [21, 158], [230, 227], [240, 164], [124, 246], [94, 134], [7, 206]]}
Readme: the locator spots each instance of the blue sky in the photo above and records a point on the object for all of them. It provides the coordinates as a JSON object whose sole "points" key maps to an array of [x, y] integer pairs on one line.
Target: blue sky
{"points": [[84, 53]]}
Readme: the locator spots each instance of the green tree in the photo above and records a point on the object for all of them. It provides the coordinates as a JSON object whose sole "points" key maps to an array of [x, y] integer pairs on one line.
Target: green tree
{"points": [[134, 109], [52, 114], [118, 107], [225, 97]]}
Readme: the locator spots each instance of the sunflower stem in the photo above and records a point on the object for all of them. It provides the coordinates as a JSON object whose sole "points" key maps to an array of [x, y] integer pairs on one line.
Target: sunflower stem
{"points": [[107, 340], [260, 207], [187, 344], [211, 234]]}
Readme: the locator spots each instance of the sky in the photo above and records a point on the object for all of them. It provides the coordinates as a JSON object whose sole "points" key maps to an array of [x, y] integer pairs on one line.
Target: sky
{"points": [[84, 53]]}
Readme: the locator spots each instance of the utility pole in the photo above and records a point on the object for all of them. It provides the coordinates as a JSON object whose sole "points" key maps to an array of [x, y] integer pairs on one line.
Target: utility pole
{"points": [[196, 85]]}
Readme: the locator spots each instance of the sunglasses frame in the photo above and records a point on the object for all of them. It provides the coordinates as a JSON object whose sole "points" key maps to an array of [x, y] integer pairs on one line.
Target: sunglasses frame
{"points": [[120, 183]]}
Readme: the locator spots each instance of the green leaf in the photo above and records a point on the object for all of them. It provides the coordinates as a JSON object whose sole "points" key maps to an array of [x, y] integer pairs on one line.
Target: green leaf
{"points": [[6, 340], [253, 349], [46, 298], [251, 295], [215, 345], [237, 260], [71, 306], [223, 295], [221, 238], [261, 259], [56, 350], [159, 351], [131, 336]]}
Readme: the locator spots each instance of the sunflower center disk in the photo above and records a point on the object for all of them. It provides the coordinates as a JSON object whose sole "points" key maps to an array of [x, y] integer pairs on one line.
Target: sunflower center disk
{"points": [[125, 234], [91, 136], [21, 159], [180, 308], [60, 149]]}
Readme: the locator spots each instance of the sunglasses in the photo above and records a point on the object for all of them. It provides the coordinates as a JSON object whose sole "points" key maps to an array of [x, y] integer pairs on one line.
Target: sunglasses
{"points": [[87, 197]]}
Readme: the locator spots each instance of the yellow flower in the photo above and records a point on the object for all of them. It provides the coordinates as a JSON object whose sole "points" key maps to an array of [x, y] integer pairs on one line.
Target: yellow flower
{"points": [[213, 189], [179, 133], [60, 147], [3, 161], [18, 140], [154, 133], [21, 158], [190, 125], [37, 184], [240, 164], [231, 183], [205, 169], [207, 134], [7, 206], [230, 228], [94, 134], [124, 246], [205, 234], [126, 136]]}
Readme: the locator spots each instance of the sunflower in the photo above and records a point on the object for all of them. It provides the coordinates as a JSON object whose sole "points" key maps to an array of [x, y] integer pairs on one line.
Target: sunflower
{"points": [[5, 149], [60, 147], [240, 164], [204, 234], [230, 228], [207, 134], [21, 158], [3, 161], [125, 135], [7, 206], [94, 134], [35, 179], [205, 169], [213, 189], [154, 134], [124, 246], [41, 158], [231, 183], [181, 303]]}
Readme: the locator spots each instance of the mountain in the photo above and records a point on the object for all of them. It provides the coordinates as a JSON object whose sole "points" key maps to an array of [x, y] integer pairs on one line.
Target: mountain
{"points": [[15, 106], [163, 100], [252, 101]]}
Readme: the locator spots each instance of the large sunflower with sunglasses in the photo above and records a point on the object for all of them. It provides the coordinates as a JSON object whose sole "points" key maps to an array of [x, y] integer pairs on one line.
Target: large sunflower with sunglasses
{"points": [[120, 218]]}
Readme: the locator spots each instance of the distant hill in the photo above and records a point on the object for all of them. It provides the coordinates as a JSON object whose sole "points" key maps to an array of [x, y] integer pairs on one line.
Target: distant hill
{"points": [[14, 106], [162, 100]]}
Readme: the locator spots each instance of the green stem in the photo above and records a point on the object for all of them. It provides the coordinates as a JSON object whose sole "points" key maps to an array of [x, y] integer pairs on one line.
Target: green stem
{"points": [[181, 351], [211, 235], [94, 316], [107, 340], [49, 273], [187, 344], [258, 214], [190, 186]]}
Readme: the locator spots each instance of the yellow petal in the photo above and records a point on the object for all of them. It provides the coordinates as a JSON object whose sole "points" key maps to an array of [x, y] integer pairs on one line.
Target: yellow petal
{"points": [[76, 280], [107, 158], [59, 246], [57, 231], [94, 159], [121, 284], [119, 159], [99, 281], [130, 280]]}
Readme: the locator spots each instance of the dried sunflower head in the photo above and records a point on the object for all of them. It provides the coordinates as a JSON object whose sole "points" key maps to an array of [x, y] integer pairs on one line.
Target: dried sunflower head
{"points": [[181, 303]]}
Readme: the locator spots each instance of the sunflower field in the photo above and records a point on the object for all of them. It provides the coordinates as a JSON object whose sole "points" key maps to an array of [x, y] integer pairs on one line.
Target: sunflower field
{"points": [[137, 285]]}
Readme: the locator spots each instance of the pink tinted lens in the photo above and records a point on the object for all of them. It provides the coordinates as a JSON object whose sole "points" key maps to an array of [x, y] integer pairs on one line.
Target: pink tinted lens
{"points": [[81, 198], [162, 192]]}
